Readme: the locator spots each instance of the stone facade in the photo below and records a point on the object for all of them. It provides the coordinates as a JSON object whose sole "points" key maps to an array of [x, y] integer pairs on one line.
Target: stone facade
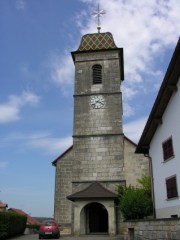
{"points": [[107, 120], [135, 165], [100, 152], [63, 187], [98, 158]]}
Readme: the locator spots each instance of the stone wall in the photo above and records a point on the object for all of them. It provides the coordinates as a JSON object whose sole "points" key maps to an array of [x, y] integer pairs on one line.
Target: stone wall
{"points": [[63, 188], [98, 158], [135, 165], [156, 229], [90, 121], [110, 62], [108, 119]]}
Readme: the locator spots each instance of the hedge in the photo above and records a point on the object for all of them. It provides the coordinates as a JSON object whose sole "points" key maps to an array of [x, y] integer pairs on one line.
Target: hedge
{"points": [[11, 224], [33, 228]]}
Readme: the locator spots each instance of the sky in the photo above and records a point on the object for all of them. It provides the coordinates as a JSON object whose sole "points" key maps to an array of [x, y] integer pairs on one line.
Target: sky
{"points": [[37, 82]]}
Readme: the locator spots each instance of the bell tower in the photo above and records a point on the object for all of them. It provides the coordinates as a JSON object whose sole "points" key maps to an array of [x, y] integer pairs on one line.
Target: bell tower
{"points": [[101, 157], [98, 136]]}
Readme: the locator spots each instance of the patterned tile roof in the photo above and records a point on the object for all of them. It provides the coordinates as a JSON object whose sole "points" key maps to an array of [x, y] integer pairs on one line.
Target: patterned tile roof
{"points": [[97, 41]]}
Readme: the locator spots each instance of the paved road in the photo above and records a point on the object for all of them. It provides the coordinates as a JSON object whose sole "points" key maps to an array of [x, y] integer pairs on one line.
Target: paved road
{"points": [[94, 237]]}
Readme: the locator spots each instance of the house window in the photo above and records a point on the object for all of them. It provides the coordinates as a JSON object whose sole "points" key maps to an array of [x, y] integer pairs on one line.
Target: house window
{"points": [[97, 74], [168, 149], [171, 187]]}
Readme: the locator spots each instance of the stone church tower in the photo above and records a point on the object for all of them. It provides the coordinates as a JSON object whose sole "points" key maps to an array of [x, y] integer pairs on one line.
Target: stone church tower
{"points": [[87, 174]]}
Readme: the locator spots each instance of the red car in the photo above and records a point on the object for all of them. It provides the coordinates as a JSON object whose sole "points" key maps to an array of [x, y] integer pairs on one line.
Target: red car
{"points": [[49, 229]]}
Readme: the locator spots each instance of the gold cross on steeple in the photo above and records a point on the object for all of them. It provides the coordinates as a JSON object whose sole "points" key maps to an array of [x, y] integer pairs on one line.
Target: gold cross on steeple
{"points": [[98, 13]]}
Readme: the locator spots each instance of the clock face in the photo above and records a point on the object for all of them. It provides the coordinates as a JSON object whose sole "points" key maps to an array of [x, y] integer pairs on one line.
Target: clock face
{"points": [[97, 101]]}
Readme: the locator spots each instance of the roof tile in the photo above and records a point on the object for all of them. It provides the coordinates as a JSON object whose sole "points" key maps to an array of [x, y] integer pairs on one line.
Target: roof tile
{"points": [[97, 41], [94, 190]]}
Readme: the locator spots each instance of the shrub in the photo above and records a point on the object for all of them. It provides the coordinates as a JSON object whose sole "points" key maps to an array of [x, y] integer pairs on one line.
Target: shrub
{"points": [[11, 224], [145, 184], [134, 202], [33, 228]]}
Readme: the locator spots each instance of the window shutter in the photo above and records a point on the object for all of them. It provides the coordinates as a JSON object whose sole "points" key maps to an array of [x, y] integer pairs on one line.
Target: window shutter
{"points": [[171, 187], [168, 149]]}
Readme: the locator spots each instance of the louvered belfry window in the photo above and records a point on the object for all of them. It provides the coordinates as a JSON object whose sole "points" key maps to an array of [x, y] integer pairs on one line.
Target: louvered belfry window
{"points": [[97, 74]]}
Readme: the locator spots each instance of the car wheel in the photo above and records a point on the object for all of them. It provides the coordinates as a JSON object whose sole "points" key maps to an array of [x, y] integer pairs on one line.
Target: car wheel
{"points": [[58, 236], [40, 237]]}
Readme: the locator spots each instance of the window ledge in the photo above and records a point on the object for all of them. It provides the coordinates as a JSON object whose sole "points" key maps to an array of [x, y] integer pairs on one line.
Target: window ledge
{"points": [[169, 199], [169, 159]]}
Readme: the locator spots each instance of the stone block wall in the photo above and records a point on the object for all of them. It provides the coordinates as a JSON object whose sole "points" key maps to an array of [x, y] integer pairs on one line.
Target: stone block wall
{"points": [[90, 121], [63, 188], [155, 229], [107, 120], [110, 62], [135, 165], [98, 158]]}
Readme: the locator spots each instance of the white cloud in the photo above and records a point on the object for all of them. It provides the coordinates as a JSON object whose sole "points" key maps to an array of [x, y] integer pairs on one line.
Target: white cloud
{"points": [[127, 110], [30, 98], [9, 113], [145, 30], [62, 71], [128, 91], [20, 4], [10, 110], [133, 130], [43, 141], [50, 144]]}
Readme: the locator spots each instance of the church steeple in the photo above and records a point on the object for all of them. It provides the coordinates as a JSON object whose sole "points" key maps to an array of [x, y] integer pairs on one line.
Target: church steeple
{"points": [[98, 131], [96, 163]]}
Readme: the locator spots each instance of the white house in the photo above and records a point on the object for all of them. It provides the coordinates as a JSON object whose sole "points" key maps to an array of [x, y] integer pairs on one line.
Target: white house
{"points": [[160, 141]]}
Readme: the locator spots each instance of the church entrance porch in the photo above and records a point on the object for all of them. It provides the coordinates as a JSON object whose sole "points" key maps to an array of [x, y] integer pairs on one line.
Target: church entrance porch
{"points": [[94, 210], [96, 217]]}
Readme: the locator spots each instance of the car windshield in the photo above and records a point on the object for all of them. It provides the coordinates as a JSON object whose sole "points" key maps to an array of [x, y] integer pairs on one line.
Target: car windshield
{"points": [[49, 223]]}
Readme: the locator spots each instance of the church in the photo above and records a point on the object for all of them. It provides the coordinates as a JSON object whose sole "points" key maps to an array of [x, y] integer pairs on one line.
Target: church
{"points": [[101, 157]]}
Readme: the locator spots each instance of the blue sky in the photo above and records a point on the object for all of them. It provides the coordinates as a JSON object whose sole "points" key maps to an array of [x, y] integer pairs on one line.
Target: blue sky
{"points": [[37, 75]]}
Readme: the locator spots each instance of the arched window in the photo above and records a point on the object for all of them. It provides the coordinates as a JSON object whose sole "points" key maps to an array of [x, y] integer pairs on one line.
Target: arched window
{"points": [[97, 74]]}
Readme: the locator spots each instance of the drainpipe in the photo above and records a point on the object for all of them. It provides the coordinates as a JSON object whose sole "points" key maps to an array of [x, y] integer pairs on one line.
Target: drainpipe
{"points": [[152, 183]]}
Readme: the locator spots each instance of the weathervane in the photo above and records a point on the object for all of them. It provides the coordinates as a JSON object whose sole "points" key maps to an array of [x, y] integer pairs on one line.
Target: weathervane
{"points": [[98, 13]]}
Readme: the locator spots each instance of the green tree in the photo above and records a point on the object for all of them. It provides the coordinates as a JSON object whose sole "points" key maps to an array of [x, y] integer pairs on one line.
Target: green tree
{"points": [[145, 184], [135, 202]]}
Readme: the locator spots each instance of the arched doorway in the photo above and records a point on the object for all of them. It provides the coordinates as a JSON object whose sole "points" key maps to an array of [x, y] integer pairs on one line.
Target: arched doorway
{"points": [[96, 217]]}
